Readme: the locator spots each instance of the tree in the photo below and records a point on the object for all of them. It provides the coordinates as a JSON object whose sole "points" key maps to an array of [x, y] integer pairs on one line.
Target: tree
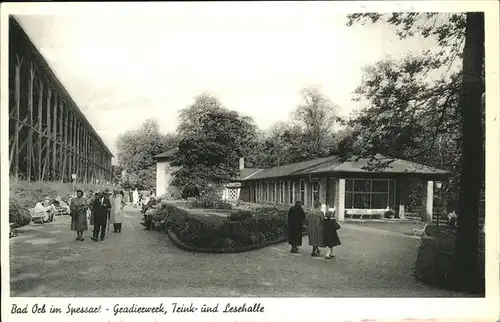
{"points": [[316, 116], [190, 117], [459, 95], [472, 175], [136, 150], [209, 150]]}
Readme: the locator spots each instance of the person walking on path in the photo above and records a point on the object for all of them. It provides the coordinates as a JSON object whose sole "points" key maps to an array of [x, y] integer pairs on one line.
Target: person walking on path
{"points": [[296, 216], [135, 197], [100, 211], [78, 211], [315, 228], [117, 204], [330, 235]]}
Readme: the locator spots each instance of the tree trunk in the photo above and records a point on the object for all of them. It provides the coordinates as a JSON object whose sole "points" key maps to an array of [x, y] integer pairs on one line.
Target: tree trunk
{"points": [[472, 172]]}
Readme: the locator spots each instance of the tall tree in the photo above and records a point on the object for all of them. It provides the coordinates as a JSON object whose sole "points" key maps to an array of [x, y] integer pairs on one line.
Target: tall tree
{"points": [[208, 153], [317, 116], [190, 118], [472, 175], [136, 150], [450, 31]]}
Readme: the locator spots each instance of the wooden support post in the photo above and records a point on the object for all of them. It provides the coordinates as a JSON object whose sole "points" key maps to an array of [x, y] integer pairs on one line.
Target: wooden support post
{"points": [[30, 123], [55, 173], [61, 138], [40, 128], [70, 143], [78, 148], [49, 134], [15, 156]]}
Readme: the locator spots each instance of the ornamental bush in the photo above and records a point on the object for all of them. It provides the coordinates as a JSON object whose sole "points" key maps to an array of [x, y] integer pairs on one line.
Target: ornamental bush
{"points": [[240, 229]]}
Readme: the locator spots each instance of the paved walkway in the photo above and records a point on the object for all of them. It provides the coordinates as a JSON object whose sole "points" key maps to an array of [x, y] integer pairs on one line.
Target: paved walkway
{"points": [[47, 261]]}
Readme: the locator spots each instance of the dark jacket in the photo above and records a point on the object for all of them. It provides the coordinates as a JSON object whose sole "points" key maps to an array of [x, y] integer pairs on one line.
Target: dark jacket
{"points": [[100, 210], [296, 217], [330, 235]]}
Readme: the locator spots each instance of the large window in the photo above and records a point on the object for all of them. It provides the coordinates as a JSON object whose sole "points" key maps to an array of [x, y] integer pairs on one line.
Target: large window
{"points": [[291, 192], [302, 191], [315, 192], [273, 191], [367, 194], [282, 192]]}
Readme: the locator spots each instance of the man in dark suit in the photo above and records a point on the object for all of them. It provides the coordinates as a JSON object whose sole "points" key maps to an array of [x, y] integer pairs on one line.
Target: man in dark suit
{"points": [[100, 210]]}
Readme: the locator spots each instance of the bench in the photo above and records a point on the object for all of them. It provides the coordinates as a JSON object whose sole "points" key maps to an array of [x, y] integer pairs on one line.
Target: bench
{"points": [[37, 216], [419, 232]]}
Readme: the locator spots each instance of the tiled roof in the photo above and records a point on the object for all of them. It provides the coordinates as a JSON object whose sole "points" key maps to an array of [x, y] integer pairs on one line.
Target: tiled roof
{"points": [[333, 164], [247, 172], [166, 154]]}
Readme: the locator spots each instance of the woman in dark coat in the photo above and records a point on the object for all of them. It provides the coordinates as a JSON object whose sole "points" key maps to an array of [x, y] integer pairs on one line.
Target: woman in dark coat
{"points": [[330, 236], [296, 217]]}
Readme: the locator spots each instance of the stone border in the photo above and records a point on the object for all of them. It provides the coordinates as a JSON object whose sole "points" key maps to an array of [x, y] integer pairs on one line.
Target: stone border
{"points": [[193, 249]]}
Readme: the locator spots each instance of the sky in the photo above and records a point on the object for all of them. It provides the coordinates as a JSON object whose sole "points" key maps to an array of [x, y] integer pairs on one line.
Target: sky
{"points": [[123, 69]]}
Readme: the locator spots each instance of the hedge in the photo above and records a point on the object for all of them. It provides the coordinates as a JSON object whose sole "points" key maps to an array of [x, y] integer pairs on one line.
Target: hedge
{"points": [[240, 231], [434, 265]]}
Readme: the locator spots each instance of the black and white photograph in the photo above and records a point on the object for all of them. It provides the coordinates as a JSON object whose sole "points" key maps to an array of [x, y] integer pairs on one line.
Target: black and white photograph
{"points": [[249, 150]]}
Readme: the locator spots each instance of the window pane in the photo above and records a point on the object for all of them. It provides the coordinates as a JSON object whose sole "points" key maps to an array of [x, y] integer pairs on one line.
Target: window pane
{"points": [[348, 200], [361, 201], [379, 201], [380, 186], [348, 184], [361, 185]]}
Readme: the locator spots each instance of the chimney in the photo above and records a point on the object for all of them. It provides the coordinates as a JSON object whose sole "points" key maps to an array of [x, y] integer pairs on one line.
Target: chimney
{"points": [[242, 163]]}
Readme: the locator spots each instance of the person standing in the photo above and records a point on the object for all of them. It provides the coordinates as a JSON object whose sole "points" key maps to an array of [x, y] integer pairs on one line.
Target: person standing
{"points": [[100, 211], [330, 235], [315, 228], [117, 204], [135, 197], [78, 211], [296, 216]]}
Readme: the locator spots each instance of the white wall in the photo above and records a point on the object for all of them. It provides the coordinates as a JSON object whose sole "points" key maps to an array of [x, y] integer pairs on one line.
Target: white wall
{"points": [[163, 178]]}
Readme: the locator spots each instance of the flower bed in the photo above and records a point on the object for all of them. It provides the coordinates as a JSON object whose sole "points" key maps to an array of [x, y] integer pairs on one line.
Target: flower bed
{"points": [[242, 230]]}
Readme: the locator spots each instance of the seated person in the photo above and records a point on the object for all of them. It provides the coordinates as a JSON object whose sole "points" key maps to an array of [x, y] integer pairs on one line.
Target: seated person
{"points": [[46, 207], [153, 214], [61, 204]]}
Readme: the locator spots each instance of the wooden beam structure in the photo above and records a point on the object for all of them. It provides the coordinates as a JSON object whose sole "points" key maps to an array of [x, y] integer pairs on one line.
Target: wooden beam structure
{"points": [[49, 136]]}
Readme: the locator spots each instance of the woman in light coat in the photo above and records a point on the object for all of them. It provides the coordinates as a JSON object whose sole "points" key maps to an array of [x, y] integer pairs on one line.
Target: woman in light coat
{"points": [[315, 229], [116, 216]]}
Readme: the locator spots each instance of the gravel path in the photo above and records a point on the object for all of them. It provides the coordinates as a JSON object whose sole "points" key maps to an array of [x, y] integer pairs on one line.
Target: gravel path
{"points": [[45, 260]]}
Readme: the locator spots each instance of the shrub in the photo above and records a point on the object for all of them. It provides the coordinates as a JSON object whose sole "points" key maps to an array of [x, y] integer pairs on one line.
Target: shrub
{"points": [[240, 215], [208, 201], [24, 195], [240, 229]]}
